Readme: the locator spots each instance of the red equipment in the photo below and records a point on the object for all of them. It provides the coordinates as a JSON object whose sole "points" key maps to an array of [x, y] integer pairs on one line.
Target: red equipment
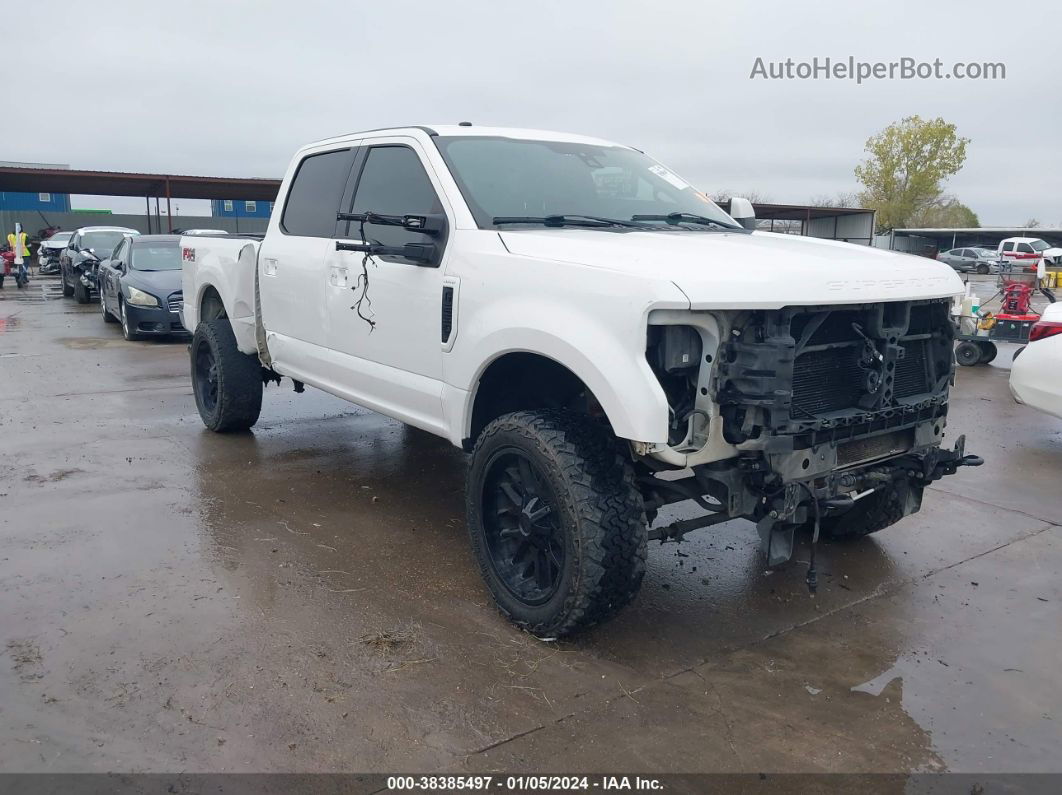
{"points": [[1017, 299]]}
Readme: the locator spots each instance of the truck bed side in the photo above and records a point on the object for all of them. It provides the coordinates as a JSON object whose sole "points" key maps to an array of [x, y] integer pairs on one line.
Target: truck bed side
{"points": [[218, 280]]}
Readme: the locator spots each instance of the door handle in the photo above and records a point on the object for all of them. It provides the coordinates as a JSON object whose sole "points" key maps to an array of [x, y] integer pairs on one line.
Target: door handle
{"points": [[270, 267]]}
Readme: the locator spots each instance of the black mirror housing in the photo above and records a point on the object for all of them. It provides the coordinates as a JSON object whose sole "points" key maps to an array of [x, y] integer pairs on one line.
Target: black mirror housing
{"points": [[423, 254]]}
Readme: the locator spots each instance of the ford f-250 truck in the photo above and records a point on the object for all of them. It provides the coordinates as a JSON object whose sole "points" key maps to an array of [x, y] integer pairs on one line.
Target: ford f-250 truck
{"points": [[598, 335]]}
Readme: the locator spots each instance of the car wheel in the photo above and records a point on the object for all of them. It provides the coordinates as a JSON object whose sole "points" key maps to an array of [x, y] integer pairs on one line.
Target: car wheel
{"points": [[968, 353], [982, 269], [107, 316], [67, 289], [1017, 353], [872, 513], [81, 293], [556, 522], [988, 352], [227, 384], [127, 331]]}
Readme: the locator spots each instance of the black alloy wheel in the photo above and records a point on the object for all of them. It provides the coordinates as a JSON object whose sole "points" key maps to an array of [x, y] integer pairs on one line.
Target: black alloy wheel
{"points": [[206, 378], [522, 528]]}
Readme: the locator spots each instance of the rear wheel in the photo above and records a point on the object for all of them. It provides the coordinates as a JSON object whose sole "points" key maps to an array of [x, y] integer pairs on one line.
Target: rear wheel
{"points": [[967, 353], [556, 522], [227, 383]]}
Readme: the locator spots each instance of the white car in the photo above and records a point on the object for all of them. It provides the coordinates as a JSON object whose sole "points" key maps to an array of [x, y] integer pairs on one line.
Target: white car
{"points": [[601, 338], [1036, 375]]}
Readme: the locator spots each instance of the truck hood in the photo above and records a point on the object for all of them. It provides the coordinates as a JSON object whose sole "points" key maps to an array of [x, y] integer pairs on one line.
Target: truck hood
{"points": [[721, 270]]}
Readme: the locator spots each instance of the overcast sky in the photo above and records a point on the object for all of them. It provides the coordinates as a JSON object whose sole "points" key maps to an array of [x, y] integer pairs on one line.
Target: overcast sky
{"points": [[232, 88]]}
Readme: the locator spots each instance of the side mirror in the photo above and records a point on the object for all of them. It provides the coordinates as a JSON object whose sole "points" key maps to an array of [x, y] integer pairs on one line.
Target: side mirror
{"points": [[742, 212]]}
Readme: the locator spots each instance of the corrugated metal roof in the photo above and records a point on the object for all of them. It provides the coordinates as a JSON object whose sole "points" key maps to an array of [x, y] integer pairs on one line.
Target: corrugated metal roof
{"points": [[121, 183]]}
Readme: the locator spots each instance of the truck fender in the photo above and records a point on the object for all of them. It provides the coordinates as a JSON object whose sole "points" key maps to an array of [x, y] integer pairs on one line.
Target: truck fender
{"points": [[618, 375]]}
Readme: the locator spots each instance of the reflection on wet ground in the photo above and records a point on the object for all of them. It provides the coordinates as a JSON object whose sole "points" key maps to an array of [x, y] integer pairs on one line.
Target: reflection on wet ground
{"points": [[303, 598]]}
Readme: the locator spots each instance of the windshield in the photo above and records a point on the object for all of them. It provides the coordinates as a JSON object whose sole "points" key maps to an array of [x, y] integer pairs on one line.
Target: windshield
{"points": [[1039, 245], [506, 177], [155, 257], [101, 243], [59, 239]]}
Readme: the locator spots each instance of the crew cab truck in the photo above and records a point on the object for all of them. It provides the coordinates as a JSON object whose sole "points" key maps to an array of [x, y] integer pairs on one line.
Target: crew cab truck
{"points": [[601, 338]]}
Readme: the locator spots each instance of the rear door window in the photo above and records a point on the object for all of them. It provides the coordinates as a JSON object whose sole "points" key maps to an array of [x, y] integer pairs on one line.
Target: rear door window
{"points": [[1025, 248], [313, 199]]}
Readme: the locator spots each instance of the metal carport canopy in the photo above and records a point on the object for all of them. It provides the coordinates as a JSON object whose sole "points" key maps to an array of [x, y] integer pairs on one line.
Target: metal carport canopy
{"points": [[119, 183]]}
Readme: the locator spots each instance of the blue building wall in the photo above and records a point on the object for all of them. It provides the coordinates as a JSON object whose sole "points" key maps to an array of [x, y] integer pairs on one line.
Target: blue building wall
{"points": [[31, 202], [238, 208]]}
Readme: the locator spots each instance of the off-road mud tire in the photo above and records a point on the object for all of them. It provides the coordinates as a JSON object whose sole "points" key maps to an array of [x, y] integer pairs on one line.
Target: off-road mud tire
{"points": [[238, 379], [601, 514], [869, 515]]}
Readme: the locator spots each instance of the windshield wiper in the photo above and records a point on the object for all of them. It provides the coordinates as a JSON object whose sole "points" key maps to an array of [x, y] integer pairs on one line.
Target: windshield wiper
{"points": [[564, 220], [685, 218]]}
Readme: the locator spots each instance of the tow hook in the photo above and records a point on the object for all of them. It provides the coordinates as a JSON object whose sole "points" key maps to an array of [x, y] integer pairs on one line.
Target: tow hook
{"points": [[946, 462]]}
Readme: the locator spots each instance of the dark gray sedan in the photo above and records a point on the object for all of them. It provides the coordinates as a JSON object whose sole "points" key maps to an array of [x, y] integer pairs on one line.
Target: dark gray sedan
{"points": [[140, 286]]}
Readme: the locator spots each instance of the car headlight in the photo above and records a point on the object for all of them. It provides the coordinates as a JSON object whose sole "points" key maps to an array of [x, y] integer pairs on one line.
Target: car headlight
{"points": [[140, 298]]}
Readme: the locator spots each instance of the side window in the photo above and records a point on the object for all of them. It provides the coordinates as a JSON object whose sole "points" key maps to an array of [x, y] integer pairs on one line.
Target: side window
{"points": [[393, 182], [969, 253], [1025, 248], [313, 199], [75, 242], [1008, 246]]}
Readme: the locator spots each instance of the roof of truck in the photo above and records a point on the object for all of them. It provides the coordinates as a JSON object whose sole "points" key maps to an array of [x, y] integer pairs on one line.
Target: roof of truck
{"points": [[453, 130]]}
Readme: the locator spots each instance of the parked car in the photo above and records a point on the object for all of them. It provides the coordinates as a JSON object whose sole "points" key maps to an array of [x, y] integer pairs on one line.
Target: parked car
{"points": [[970, 259], [582, 321], [79, 260], [140, 286], [1030, 253], [1036, 375], [49, 251]]}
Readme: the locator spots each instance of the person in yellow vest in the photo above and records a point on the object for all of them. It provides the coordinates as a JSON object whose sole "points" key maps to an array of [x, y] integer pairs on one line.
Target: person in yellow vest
{"points": [[19, 243]]}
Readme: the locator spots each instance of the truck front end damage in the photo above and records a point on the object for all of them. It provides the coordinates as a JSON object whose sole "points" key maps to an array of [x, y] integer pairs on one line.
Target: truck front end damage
{"points": [[798, 417]]}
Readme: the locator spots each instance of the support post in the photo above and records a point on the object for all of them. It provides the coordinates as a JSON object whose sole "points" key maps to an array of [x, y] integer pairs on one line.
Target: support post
{"points": [[169, 215]]}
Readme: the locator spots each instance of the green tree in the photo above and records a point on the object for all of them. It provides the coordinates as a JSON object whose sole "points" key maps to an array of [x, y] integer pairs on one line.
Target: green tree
{"points": [[945, 211], [906, 167]]}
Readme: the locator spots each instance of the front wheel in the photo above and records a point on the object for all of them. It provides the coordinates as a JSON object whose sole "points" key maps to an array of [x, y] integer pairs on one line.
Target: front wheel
{"points": [[227, 383], [128, 331], [556, 521], [107, 316], [874, 512], [982, 270], [81, 292]]}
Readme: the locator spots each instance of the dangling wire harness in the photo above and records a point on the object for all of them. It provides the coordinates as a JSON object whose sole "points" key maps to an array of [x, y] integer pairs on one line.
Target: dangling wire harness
{"points": [[812, 578]]}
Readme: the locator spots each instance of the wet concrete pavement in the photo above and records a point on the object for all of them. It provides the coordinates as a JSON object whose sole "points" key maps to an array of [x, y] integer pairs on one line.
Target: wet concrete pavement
{"points": [[303, 598]]}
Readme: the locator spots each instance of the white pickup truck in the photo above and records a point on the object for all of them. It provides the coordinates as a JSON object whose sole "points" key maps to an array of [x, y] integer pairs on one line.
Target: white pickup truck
{"points": [[598, 335]]}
